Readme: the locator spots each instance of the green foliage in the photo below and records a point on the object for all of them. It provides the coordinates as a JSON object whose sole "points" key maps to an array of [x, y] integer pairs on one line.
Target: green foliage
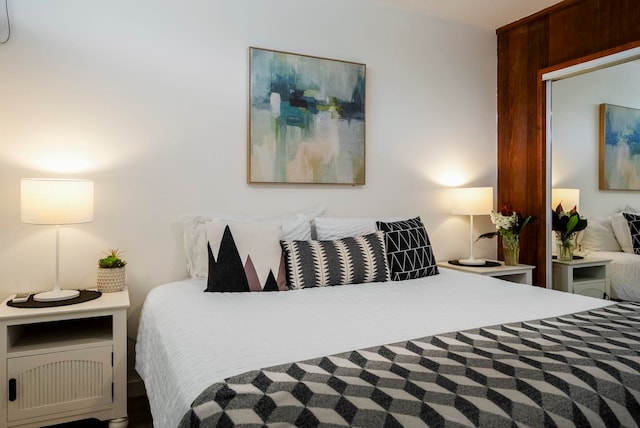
{"points": [[567, 222], [112, 260], [508, 223]]}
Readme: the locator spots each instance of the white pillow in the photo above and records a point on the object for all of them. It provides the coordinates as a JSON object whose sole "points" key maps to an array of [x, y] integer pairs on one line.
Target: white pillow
{"points": [[599, 235], [333, 228], [294, 226], [621, 230]]}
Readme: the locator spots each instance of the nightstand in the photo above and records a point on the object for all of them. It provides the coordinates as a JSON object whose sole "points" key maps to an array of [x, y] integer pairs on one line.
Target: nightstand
{"points": [[64, 363], [521, 273], [589, 277]]}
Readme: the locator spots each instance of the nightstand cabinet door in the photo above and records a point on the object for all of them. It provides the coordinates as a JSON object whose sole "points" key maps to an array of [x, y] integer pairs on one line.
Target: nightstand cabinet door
{"points": [[64, 381], [591, 288]]}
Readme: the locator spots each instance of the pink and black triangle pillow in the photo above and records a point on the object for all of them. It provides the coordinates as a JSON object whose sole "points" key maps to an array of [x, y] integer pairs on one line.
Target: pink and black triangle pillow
{"points": [[228, 272]]}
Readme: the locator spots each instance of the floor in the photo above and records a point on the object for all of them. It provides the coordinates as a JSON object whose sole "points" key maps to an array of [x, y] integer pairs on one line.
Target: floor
{"points": [[137, 408]]}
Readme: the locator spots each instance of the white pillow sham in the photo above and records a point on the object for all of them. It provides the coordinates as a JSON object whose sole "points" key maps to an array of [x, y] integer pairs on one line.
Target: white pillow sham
{"points": [[294, 226], [332, 228], [622, 232], [599, 236]]}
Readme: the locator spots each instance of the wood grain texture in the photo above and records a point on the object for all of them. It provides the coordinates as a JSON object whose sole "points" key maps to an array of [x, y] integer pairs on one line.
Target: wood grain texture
{"points": [[570, 32]]}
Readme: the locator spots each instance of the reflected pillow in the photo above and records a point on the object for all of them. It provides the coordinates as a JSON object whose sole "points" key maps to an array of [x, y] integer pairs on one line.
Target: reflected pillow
{"points": [[599, 236], [621, 229], [633, 222]]}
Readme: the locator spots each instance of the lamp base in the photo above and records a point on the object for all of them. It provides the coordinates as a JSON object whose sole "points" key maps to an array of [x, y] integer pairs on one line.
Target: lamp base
{"points": [[472, 262], [56, 295]]}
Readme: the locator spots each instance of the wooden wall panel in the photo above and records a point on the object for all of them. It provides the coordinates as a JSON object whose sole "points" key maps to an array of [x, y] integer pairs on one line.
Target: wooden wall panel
{"points": [[521, 164], [562, 33], [587, 27]]}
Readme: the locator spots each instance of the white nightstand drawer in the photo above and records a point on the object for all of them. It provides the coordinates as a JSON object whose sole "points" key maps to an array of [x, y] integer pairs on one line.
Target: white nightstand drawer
{"points": [[590, 288]]}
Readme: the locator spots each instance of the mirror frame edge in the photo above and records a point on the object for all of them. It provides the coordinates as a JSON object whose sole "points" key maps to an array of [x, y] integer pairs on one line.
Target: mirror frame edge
{"points": [[604, 59]]}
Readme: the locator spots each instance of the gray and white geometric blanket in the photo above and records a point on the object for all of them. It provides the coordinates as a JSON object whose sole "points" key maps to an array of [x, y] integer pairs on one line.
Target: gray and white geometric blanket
{"points": [[576, 370]]}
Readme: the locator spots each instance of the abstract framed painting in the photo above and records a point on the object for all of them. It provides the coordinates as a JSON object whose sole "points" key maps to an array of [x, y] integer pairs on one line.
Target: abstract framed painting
{"points": [[306, 119], [619, 148]]}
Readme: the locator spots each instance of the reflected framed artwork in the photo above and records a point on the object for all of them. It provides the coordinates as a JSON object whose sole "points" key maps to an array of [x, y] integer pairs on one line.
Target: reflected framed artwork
{"points": [[306, 119], [619, 148]]}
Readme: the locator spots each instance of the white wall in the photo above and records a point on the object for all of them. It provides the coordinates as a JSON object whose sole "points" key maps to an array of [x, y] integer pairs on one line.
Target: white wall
{"points": [[149, 99], [576, 134]]}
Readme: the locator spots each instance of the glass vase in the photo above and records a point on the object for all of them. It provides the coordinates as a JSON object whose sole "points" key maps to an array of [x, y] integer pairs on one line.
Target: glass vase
{"points": [[511, 249], [565, 247]]}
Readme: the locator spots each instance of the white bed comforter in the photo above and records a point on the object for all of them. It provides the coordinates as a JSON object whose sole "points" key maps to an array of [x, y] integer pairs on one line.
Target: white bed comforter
{"points": [[188, 339], [624, 272]]}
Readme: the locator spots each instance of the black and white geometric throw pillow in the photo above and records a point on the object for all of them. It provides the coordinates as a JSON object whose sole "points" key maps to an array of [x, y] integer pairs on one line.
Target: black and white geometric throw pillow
{"points": [[244, 257], [633, 220], [352, 260], [408, 249]]}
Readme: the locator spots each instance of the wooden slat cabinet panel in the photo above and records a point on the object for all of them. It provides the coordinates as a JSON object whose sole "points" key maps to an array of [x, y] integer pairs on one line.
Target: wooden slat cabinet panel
{"points": [[60, 382]]}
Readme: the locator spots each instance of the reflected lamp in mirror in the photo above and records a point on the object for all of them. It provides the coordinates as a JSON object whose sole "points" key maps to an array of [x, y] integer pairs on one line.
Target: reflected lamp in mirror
{"points": [[569, 198], [471, 201], [53, 201]]}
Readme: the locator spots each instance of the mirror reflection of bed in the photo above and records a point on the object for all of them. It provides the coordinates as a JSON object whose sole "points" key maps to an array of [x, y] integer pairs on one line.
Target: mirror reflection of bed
{"points": [[575, 163]]}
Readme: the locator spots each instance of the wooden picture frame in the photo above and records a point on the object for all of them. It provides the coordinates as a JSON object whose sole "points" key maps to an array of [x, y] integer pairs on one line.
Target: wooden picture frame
{"points": [[306, 119], [619, 148]]}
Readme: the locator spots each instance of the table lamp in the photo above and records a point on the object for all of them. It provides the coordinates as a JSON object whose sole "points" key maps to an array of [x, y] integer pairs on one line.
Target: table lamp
{"points": [[55, 202], [471, 201], [569, 198]]}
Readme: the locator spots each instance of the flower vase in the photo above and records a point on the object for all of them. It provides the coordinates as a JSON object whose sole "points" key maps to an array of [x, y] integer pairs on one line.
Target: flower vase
{"points": [[511, 249], [565, 247]]}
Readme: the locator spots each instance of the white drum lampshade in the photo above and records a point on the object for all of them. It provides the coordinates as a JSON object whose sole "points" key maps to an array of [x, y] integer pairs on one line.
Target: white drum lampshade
{"points": [[569, 198], [471, 201], [56, 201]]}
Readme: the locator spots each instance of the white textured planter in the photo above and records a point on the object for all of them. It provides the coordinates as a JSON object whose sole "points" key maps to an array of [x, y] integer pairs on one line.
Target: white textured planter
{"points": [[111, 280]]}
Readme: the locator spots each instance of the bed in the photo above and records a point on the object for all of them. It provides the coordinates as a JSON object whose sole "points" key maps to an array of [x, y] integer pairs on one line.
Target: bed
{"points": [[624, 271], [450, 348], [610, 238]]}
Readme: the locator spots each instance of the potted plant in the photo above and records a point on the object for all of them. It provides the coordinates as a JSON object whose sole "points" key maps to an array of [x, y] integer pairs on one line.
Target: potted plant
{"points": [[111, 272], [509, 224], [566, 225]]}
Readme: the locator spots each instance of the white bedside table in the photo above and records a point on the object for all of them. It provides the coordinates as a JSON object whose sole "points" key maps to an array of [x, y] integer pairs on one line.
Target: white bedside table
{"points": [[589, 277], [64, 363], [521, 273]]}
